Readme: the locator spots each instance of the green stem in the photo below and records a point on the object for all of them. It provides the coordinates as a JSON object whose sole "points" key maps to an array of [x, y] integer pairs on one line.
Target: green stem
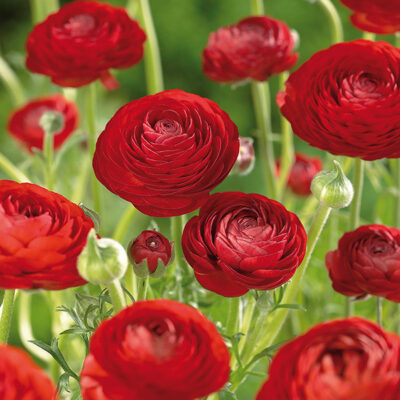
{"points": [[154, 77], [80, 184], [287, 153], [91, 120], [130, 281], [10, 169], [397, 212], [348, 307], [334, 20], [275, 320], [6, 315], [177, 225], [143, 284], [37, 11], [12, 83], [379, 311], [117, 295], [233, 316], [257, 7], [48, 151], [262, 108], [369, 36], [358, 181], [124, 223]]}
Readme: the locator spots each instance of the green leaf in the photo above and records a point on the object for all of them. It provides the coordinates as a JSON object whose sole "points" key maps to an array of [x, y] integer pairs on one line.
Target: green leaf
{"points": [[227, 395], [291, 306]]}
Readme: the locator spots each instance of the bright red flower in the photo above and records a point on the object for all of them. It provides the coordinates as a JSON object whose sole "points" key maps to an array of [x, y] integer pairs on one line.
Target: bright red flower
{"points": [[349, 359], [42, 234], [302, 173], [243, 241], [375, 15], [345, 100], [82, 41], [256, 47], [23, 123], [150, 253], [21, 379], [166, 152], [367, 261], [152, 350]]}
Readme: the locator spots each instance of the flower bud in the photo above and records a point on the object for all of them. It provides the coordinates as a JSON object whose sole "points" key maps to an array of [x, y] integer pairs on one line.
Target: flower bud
{"points": [[150, 254], [102, 260], [92, 215], [52, 122], [332, 187], [246, 158]]}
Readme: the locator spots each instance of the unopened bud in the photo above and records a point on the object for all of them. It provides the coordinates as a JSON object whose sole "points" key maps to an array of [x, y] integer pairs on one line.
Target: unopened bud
{"points": [[52, 122], [102, 260], [92, 215], [150, 254], [333, 188], [246, 157]]}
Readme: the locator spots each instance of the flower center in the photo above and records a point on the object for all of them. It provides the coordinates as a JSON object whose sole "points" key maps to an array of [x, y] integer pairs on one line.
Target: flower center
{"points": [[153, 243], [16, 208], [245, 223], [80, 25], [168, 126]]}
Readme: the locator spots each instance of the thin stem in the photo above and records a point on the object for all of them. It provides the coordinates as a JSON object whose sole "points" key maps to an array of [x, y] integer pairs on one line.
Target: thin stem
{"points": [[348, 307], [80, 183], [6, 315], [369, 36], [37, 11], [232, 322], [177, 225], [124, 223], [275, 320], [117, 295], [130, 281], [287, 152], [257, 7], [12, 83], [10, 169], [91, 120], [358, 181], [48, 151], [334, 20], [397, 212], [379, 311], [143, 284], [154, 77], [262, 108]]}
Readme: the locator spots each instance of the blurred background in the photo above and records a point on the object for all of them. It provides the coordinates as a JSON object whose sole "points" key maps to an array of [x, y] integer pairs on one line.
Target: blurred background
{"points": [[182, 28]]}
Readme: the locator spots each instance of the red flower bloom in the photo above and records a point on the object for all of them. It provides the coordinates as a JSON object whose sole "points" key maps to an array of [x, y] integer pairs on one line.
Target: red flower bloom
{"points": [[243, 241], [24, 125], [156, 349], [166, 152], [375, 15], [345, 100], [150, 253], [367, 261], [302, 173], [82, 41], [338, 360], [21, 379], [256, 47], [42, 234]]}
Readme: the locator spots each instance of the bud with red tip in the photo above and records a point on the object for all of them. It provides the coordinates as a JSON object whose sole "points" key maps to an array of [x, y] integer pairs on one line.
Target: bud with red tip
{"points": [[150, 254], [246, 157]]}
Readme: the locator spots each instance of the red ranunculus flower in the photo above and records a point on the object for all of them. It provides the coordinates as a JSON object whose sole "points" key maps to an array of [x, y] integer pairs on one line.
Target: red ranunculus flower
{"points": [[243, 241], [345, 100], [375, 15], [23, 123], [367, 261], [302, 173], [42, 234], [82, 41], [349, 359], [150, 253], [256, 47], [21, 379], [153, 350], [166, 152]]}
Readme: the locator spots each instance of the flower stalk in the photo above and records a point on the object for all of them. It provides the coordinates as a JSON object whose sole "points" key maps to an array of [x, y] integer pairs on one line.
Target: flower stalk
{"points": [[334, 20], [6, 315]]}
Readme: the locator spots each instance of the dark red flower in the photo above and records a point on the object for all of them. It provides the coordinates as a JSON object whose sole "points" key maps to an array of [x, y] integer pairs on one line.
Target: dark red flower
{"points": [[256, 47], [243, 241], [302, 173], [367, 261], [82, 41], [23, 123], [42, 234], [349, 359], [345, 100], [166, 152], [21, 379], [152, 350], [150, 253], [375, 15]]}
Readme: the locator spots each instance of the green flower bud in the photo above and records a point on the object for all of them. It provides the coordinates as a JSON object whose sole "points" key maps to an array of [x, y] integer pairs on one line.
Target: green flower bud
{"points": [[52, 122], [102, 260], [92, 215], [333, 188]]}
